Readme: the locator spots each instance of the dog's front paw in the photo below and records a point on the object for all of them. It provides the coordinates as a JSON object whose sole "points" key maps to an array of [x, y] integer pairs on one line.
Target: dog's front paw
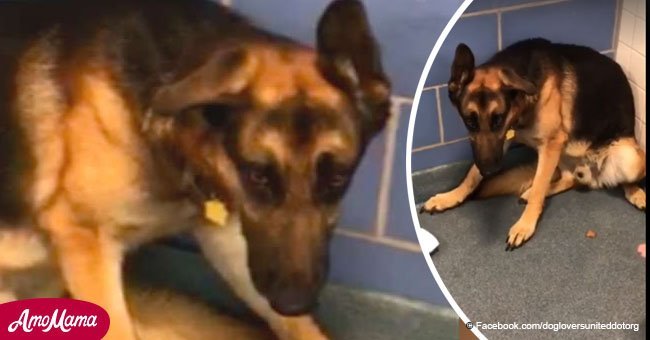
{"points": [[300, 328], [441, 202], [637, 199], [519, 234]]}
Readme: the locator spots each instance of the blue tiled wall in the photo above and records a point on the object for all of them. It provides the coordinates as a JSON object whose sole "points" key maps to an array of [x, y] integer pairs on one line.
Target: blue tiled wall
{"points": [[375, 246], [487, 26]]}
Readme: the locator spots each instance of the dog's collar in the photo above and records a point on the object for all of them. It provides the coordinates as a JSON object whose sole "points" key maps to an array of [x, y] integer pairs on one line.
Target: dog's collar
{"points": [[214, 210]]}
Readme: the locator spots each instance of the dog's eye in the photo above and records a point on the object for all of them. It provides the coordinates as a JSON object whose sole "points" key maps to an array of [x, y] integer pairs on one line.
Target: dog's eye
{"points": [[263, 182], [258, 177], [471, 121], [497, 121]]}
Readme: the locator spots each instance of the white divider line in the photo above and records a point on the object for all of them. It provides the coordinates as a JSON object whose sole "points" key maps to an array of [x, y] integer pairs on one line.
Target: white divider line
{"points": [[409, 140]]}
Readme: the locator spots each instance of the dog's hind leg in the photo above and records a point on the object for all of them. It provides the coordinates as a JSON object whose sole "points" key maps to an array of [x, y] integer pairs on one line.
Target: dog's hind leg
{"points": [[566, 181], [512, 181], [635, 195], [226, 250], [625, 164]]}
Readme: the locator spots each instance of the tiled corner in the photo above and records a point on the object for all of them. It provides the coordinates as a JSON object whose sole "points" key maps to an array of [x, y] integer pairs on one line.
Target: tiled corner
{"points": [[637, 68], [586, 22], [631, 55], [640, 132], [623, 54], [427, 129], [638, 38], [626, 28]]}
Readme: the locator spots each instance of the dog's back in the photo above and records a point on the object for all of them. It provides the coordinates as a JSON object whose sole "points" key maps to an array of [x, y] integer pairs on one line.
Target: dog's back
{"points": [[45, 47], [603, 105]]}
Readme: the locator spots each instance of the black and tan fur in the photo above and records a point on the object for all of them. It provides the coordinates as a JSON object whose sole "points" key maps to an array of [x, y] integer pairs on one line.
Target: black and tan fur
{"points": [[120, 118], [570, 103]]}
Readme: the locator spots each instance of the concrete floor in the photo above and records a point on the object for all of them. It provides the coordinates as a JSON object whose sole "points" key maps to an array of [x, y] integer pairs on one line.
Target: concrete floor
{"points": [[558, 276]]}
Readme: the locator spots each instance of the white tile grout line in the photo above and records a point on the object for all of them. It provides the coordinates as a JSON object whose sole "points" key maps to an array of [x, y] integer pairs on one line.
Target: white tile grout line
{"points": [[617, 23], [499, 33], [383, 240], [402, 100], [386, 176], [439, 109], [433, 87], [512, 8], [431, 146]]}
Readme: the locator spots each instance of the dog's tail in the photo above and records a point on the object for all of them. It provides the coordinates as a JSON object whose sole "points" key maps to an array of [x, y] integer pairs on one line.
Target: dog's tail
{"points": [[162, 315], [513, 181]]}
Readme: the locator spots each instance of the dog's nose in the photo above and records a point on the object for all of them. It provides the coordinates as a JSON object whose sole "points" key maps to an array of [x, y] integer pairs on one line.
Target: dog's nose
{"points": [[292, 302], [489, 170]]}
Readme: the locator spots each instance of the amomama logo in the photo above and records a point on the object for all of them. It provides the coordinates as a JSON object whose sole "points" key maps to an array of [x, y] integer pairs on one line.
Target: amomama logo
{"points": [[51, 319]]}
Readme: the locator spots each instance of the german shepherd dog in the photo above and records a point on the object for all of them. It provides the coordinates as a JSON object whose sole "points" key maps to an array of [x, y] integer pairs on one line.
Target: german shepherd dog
{"points": [[570, 103], [120, 119]]}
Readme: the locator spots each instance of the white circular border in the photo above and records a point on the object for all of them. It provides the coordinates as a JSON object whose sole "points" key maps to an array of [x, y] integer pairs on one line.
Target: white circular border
{"points": [[409, 181]]}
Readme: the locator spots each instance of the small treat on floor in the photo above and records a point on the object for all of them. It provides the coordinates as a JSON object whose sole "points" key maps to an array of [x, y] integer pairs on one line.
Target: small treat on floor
{"points": [[591, 234], [641, 250]]}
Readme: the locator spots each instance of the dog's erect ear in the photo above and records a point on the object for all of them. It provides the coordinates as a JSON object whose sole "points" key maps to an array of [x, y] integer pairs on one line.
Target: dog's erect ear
{"points": [[462, 71], [222, 76], [512, 80], [349, 58]]}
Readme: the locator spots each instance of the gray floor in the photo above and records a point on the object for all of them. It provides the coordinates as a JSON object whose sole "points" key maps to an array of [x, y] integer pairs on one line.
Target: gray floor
{"points": [[346, 314], [558, 276]]}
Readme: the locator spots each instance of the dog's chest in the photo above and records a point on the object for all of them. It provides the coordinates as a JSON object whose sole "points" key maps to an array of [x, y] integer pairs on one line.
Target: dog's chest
{"points": [[527, 137], [114, 174]]}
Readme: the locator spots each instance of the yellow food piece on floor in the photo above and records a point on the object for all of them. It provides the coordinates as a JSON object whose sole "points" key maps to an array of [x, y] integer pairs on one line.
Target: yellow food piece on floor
{"points": [[215, 212], [510, 134], [591, 234]]}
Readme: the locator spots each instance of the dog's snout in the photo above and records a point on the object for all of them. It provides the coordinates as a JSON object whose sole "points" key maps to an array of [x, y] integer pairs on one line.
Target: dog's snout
{"points": [[489, 169], [292, 301]]}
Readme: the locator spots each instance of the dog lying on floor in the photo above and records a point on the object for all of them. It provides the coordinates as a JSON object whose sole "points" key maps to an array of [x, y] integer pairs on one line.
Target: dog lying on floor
{"points": [[570, 103], [121, 119]]}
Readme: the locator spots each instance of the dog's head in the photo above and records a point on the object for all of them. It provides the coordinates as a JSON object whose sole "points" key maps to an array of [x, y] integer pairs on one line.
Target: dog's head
{"points": [[277, 131], [490, 99]]}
